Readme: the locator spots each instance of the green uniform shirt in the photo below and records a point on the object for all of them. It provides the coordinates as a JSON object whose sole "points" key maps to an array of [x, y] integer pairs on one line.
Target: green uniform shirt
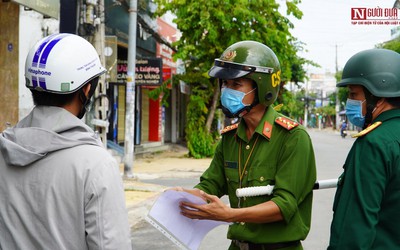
{"points": [[285, 160], [367, 201]]}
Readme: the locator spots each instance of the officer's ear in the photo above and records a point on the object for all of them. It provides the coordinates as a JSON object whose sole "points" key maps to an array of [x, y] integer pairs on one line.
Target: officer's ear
{"points": [[86, 89]]}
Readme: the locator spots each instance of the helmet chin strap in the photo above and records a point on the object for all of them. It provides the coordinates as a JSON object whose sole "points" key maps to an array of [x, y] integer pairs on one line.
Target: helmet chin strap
{"points": [[84, 100], [368, 115], [241, 112], [371, 104]]}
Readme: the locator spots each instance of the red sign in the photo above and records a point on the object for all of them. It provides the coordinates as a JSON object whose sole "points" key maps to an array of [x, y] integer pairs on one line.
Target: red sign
{"points": [[374, 16], [169, 33]]}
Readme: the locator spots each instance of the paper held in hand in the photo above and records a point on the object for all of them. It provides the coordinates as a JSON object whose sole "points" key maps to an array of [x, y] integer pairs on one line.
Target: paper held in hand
{"points": [[184, 232]]}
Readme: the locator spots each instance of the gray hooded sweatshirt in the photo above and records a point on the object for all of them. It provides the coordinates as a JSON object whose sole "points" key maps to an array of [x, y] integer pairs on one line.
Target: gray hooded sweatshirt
{"points": [[59, 187]]}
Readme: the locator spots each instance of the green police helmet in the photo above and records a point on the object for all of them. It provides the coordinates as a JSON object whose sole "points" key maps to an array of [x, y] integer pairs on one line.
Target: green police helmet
{"points": [[378, 70], [251, 60]]}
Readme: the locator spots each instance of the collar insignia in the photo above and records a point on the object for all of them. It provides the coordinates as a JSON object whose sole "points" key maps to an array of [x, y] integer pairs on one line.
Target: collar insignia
{"points": [[267, 130]]}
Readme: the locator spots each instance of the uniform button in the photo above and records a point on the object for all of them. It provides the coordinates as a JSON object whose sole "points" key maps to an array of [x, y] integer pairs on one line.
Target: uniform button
{"points": [[242, 223], [245, 172], [247, 147], [266, 129], [262, 178]]}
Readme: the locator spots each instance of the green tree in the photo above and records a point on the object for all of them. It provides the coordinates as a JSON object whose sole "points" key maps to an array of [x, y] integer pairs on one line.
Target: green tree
{"points": [[208, 27], [392, 45], [343, 92], [293, 104]]}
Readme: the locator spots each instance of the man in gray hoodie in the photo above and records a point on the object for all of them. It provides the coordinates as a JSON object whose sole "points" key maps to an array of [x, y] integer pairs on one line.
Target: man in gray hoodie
{"points": [[59, 187]]}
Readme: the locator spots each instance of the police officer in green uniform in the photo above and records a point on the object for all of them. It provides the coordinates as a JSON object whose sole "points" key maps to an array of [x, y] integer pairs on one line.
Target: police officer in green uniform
{"points": [[367, 200], [264, 148]]}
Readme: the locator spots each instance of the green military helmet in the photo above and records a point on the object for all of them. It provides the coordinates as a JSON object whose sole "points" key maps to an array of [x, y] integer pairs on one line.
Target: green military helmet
{"points": [[251, 60], [378, 70]]}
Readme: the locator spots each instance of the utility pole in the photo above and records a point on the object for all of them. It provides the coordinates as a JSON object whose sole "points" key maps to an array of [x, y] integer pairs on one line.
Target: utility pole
{"points": [[307, 100], [130, 92], [337, 106], [101, 108]]}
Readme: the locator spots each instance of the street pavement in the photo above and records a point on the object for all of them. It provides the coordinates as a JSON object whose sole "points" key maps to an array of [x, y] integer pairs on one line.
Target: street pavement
{"points": [[176, 170]]}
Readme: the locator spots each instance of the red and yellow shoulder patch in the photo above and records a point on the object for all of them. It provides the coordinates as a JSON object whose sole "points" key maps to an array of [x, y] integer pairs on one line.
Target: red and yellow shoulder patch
{"points": [[229, 128], [368, 129], [286, 122]]}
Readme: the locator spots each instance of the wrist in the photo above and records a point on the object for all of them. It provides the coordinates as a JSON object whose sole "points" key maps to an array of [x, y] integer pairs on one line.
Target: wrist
{"points": [[232, 214]]}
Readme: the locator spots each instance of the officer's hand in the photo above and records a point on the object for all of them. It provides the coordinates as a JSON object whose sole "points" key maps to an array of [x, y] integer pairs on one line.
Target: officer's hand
{"points": [[215, 209]]}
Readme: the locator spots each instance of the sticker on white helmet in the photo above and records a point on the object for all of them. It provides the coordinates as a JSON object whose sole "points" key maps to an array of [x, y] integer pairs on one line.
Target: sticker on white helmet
{"points": [[65, 87]]}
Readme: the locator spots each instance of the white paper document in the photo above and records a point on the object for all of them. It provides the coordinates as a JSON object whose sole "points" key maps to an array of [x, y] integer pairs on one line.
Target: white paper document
{"points": [[166, 217]]}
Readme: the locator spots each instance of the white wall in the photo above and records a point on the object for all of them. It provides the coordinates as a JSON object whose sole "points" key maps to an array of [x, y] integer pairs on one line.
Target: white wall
{"points": [[32, 27]]}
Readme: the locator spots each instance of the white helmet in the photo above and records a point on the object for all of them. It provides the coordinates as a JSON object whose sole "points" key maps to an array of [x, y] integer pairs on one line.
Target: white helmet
{"points": [[62, 64]]}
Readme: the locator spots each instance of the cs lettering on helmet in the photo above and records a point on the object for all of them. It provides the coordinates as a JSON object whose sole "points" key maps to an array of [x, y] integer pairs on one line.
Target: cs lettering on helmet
{"points": [[276, 79]]}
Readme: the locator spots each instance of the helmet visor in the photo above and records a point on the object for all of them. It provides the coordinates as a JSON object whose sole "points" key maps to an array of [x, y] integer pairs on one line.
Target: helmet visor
{"points": [[231, 70]]}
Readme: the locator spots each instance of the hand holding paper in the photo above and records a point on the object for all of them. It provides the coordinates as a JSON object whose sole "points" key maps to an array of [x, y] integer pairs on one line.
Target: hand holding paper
{"points": [[165, 215], [214, 210]]}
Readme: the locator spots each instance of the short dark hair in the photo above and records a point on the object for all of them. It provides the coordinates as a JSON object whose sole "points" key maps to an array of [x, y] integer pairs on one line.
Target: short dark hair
{"points": [[394, 101], [42, 98], [51, 99]]}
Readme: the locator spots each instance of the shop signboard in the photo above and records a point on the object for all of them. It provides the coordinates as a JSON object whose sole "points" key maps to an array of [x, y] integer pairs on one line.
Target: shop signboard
{"points": [[148, 71], [49, 8]]}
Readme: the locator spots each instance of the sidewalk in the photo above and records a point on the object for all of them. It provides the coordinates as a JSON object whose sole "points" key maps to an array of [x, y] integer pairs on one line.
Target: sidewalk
{"points": [[167, 164]]}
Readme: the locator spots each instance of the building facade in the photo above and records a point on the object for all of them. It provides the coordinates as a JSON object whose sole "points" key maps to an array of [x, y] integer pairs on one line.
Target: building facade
{"points": [[23, 23]]}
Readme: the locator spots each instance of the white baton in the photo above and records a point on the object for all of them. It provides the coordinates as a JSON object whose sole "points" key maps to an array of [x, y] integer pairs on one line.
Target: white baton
{"points": [[267, 190]]}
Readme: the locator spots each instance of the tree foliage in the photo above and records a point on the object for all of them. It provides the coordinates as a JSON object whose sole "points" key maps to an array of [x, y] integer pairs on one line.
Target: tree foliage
{"points": [[208, 27], [293, 103], [392, 45], [343, 92]]}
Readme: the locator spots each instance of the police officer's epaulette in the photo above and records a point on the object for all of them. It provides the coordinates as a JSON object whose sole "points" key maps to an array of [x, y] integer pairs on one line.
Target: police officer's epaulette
{"points": [[367, 130], [278, 107], [229, 128], [286, 122]]}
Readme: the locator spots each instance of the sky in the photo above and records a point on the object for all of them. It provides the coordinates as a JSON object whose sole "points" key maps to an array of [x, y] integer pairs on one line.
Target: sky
{"points": [[327, 23]]}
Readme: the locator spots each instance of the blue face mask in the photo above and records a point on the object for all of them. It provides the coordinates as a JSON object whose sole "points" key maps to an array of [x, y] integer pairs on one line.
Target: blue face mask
{"points": [[354, 112], [232, 99]]}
